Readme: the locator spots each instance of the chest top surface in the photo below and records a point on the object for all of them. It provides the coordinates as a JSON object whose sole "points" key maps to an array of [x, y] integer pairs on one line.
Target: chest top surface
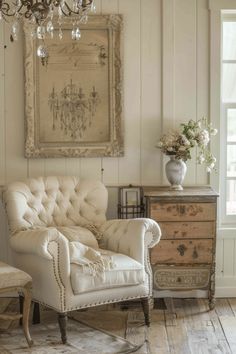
{"points": [[166, 193]]}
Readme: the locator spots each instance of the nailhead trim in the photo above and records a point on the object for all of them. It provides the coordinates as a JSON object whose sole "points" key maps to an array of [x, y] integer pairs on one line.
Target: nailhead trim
{"points": [[56, 271], [93, 304]]}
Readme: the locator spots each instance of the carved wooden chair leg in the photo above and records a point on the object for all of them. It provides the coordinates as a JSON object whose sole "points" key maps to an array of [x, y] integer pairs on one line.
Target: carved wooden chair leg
{"points": [[36, 313], [26, 310], [62, 320], [21, 303], [146, 310]]}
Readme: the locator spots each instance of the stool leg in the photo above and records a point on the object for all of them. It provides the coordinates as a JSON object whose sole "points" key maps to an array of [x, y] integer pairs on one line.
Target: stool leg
{"points": [[26, 311], [21, 301]]}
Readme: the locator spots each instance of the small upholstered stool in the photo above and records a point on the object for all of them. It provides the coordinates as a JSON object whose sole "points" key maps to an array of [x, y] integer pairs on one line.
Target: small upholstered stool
{"points": [[13, 279]]}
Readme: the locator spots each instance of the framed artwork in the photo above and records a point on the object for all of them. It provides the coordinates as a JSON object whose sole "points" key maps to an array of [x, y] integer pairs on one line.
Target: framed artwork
{"points": [[130, 196], [74, 104]]}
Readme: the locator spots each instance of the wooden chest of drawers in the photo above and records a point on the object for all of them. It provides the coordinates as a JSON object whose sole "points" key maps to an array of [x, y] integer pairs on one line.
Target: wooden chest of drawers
{"points": [[184, 259]]}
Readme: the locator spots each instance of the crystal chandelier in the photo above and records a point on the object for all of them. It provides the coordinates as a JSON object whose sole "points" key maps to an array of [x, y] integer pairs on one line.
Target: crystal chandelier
{"points": [[41, 14]]}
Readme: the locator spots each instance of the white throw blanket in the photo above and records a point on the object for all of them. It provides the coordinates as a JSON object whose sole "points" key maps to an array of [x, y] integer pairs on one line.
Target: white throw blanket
{"points": [[93, 261]]}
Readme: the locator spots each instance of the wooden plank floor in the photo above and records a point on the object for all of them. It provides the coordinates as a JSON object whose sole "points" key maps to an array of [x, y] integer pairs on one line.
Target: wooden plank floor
{"points": [[185, 326]]}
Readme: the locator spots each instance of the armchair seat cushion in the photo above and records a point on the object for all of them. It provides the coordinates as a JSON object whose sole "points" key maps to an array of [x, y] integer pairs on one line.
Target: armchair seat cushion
{"points": [[125, 272]]}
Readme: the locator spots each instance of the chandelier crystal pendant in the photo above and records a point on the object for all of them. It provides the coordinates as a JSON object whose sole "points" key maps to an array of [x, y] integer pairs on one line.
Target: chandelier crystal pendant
{"points": [[41, 13]]}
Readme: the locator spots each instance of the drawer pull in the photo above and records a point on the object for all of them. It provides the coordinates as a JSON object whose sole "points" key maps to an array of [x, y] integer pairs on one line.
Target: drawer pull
{"points": [[181, 249], [179, 280], [181, 209], [195, 254]]}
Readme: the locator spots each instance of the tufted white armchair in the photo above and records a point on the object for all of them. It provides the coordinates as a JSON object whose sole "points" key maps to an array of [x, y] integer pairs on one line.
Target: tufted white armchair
{"points": [[49, 217]]}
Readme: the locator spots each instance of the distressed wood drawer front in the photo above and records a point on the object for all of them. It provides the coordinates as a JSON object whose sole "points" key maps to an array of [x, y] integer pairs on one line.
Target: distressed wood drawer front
{"points": [[182, 251], [191, 229], [180, 277], [183, 211]]}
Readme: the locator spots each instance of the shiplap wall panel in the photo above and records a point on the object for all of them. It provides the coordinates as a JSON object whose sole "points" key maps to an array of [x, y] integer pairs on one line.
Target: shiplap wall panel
{"points": [[168, 74], [16, 164], [55, 167], [36, 167], [168, 80], [228, 262], [150, 52], [98, 4], [2, 104], [185, 70], [110, 165], [91, 168], [72, 166], [202, 72], [219, 257], [110, 6], [129, 165]]}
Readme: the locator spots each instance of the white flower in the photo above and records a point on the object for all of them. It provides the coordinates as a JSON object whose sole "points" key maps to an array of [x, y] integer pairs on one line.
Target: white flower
{"points": [[160, 144], [184, 140], [208, 169], [212, 165], [199, 124], [203, 137], [170, 149], [201, 159], [214, 131]]}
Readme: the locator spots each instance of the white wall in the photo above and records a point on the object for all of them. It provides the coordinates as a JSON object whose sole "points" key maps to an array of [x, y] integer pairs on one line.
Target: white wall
{"points": [[166, 81]]}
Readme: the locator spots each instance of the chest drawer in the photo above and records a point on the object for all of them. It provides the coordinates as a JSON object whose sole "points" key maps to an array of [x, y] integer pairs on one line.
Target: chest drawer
{"points": [[182, 251], [183, 211], [174, 278], [187, 229]]}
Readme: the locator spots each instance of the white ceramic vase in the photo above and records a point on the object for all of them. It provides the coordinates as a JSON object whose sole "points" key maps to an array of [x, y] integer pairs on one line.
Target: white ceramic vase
{"points": [[175, 173]]}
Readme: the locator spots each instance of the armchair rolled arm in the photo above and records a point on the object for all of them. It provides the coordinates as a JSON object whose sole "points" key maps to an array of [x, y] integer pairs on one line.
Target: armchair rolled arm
{"points": [[130, 237], [36, 241]]}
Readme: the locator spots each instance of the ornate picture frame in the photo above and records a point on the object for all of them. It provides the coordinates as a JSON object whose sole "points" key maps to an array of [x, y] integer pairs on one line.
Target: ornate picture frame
{"points": [[74, 104]]}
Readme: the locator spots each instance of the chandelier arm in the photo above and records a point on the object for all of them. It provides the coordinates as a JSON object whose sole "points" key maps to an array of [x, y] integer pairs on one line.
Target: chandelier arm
{"points": [[5, 8], [68, 8]]}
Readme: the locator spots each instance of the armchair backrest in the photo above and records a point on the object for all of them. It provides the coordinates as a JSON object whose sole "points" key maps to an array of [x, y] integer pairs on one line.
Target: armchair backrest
{"points": [[55, 201]]}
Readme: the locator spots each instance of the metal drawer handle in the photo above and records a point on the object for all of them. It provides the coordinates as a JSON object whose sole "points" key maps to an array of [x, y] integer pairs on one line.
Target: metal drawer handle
{"points": [[181, 249]]}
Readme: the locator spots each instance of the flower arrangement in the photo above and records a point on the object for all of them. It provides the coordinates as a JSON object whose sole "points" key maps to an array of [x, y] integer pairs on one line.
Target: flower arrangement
{"points": [[192, 134]]}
